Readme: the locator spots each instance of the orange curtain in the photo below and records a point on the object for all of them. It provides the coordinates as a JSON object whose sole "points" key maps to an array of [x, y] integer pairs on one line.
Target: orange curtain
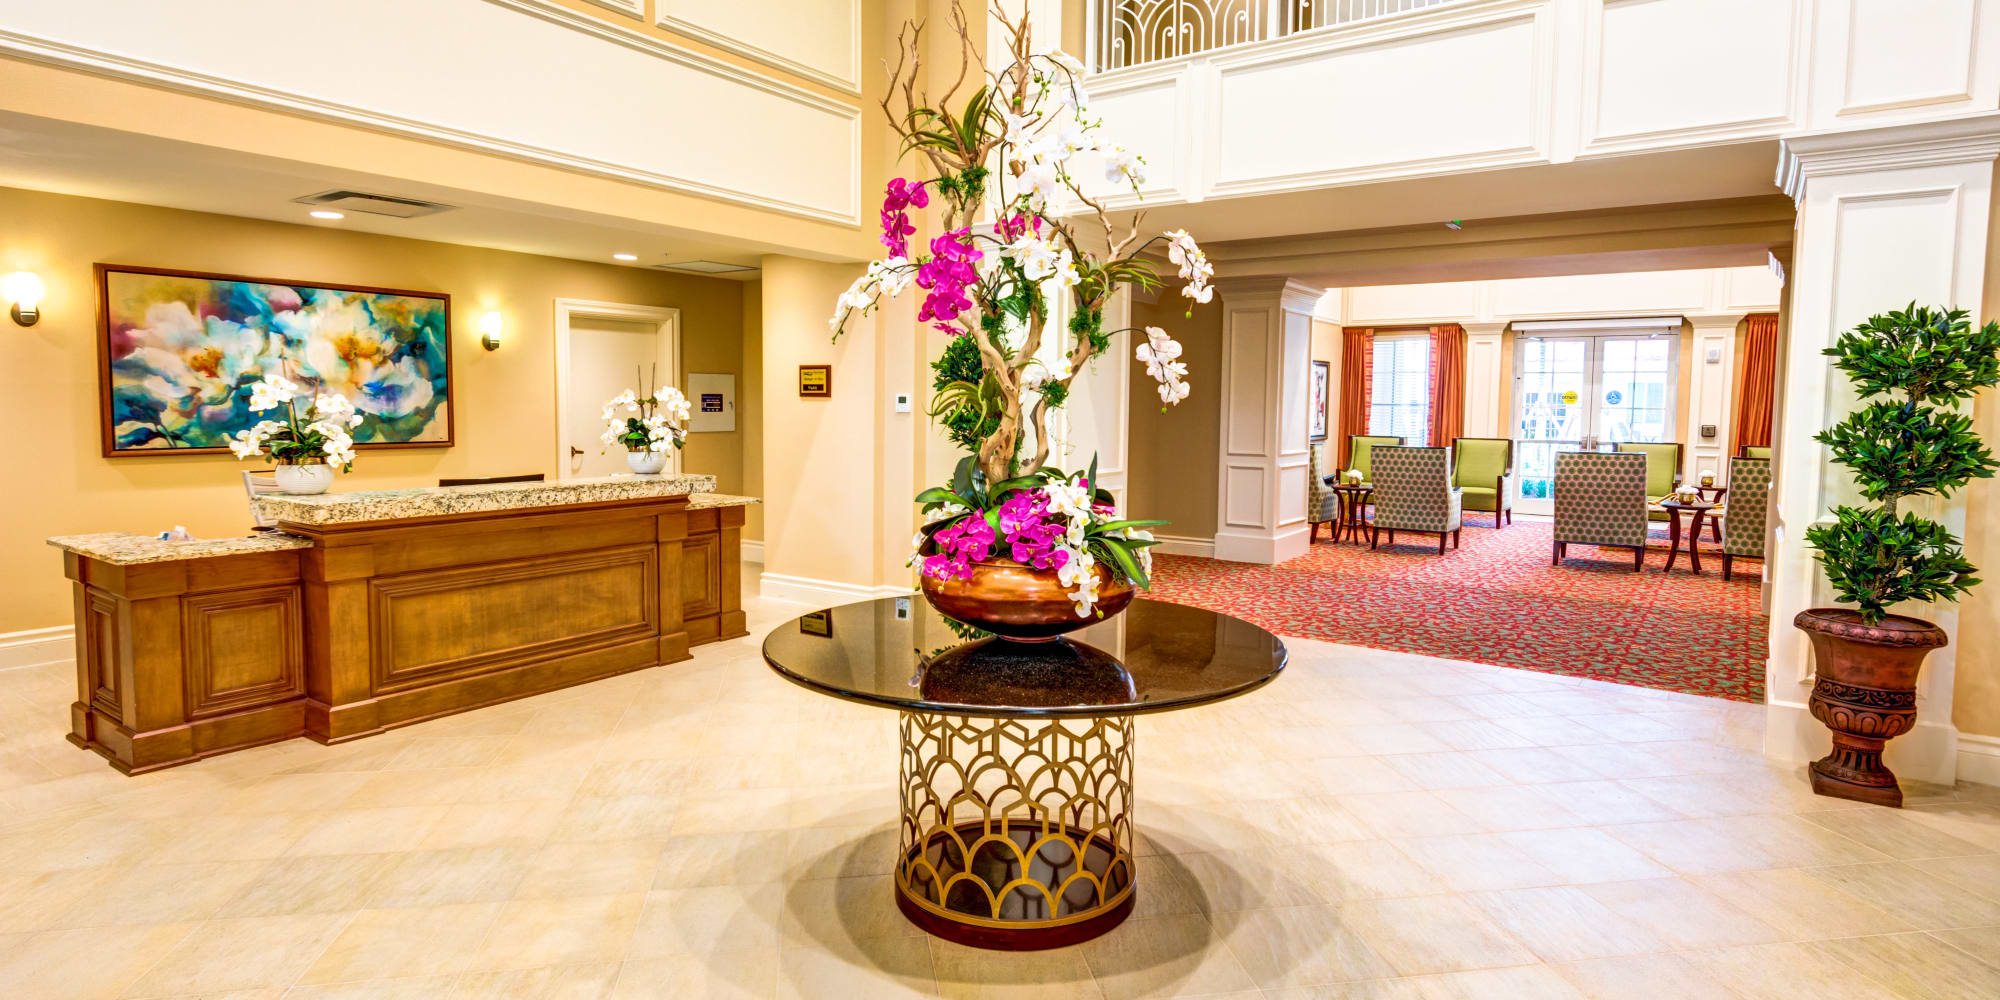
{"points": [[1754, 393], [1357, 366], [1447, 384]]}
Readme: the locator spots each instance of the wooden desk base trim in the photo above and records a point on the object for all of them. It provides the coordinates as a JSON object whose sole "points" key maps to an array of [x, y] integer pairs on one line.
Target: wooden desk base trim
{"points": [[138, 753]]}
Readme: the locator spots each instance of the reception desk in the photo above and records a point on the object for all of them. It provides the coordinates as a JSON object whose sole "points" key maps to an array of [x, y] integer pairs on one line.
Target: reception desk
{"points": [[371, 610]]}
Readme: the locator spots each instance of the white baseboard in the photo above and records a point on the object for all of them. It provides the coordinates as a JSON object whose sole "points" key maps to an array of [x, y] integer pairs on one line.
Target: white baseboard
{"points": [[1185, 545], [1979, 758], [1259, 547], [37, 645], [753, 550], [821, 593]]}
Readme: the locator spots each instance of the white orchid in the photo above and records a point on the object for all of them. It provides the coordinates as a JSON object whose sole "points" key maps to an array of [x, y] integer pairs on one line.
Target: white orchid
{"points": [[654, 422], [888, 276], [1193, 265], [1158, 354], [249, 443], [272, 391], [1079, 577], [1019, 127], [1122, 165]]}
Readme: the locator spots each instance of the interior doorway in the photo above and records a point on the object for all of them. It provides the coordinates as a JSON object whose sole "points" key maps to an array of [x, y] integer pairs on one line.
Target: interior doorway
{"points": [[602, 349], [1576, 390]]}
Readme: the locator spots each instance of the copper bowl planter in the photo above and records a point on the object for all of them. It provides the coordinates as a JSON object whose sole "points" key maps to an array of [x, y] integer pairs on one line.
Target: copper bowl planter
{"points": [[1022, 603], [1866, 692]]}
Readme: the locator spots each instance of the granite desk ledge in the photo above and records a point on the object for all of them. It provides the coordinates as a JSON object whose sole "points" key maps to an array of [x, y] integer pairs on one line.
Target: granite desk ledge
{"points": [[119, 548], [704, 501], [436, 501]]}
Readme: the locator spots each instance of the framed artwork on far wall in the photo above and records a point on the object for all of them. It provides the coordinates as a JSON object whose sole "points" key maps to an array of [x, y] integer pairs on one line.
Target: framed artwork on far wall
{"points": [[1322, 398], [178, 350]]}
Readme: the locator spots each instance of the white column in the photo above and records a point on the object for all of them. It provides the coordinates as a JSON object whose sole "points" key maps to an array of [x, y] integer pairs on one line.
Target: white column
{"points": [[1886, 216], [1487, 385], [1711, 371], [1266, 350], [1093, 421]]}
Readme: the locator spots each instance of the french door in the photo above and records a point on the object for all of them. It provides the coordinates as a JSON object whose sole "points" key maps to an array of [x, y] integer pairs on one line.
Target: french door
{"points": [[1587, 394]]}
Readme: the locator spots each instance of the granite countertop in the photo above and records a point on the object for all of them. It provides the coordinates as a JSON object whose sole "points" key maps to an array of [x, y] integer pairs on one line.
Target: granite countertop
{"points": [[434, 501], [703, 501], [121, 548]]}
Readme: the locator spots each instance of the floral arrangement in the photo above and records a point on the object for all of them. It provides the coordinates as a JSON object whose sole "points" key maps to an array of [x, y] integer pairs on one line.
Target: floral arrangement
{"points": [[319, 434], [652, 422], [1047, 520], [996, 287]]}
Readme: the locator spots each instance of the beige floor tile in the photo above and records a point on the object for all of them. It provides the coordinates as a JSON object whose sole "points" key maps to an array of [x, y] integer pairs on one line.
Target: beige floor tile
{"points": [[590, 869], [830, 851], [1680, 913], [529, 933], [734, 812], [1162, 888], [1534, 765], [524, 823], [1895, 834], [1979, 875], [240, 954], [1299, 946], [1565, 924], [1925, 901], [1584, 854], [1409, 814], [385, 830], [617, 779], [831, 910], [1355, 775], [1372, 869], [406, 943], [1432, 771], [880, 968], [1427, 934], [1917, 966], [741, 977], [1164, 957], [1778, 971], [716, 920], [34, 901], [86, 963], [1693, 846], [624, 817], [411, 788], [1476, 862], [1635, 976], [1395, 738], [1244, 880], [1606, 803], [462, 875], [1982, 943], [1510, 807], [161, 894], [590, 981], [1802, 907], [330, 883], [419, 988], [703, 859], [965, 973]]}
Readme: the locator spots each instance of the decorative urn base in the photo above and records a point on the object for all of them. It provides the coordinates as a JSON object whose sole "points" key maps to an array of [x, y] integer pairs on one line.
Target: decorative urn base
{"points": [[1866, 693], [1022, 603], [304, 480]]}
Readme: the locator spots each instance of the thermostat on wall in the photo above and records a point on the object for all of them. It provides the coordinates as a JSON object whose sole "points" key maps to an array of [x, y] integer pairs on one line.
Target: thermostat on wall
{"points": [[902, 402]]}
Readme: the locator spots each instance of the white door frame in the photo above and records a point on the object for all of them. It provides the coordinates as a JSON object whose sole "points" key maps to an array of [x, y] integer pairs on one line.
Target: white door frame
{"points": [[667, 331], [1595, 332]]}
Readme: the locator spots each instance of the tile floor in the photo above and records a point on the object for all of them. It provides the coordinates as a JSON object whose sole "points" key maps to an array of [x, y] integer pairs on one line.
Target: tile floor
{"points": [[1373, 825]]}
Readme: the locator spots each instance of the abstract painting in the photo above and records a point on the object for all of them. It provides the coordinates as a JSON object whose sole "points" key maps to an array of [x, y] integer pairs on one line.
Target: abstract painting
{"points": [[179, 350], [1322, 397]]}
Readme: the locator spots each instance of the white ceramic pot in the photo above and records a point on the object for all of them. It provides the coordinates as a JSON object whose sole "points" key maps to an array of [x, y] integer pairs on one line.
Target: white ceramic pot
{"points": [[305, 480], [646, 463]]}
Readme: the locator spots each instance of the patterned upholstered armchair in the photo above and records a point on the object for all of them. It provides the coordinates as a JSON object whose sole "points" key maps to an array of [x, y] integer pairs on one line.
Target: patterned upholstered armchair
{"points": [[1322, 504], [1663, 471], [1756, 451], [1486, 475], [1746, 517], [1600, 500], [1413, 492], [1361, 453]]}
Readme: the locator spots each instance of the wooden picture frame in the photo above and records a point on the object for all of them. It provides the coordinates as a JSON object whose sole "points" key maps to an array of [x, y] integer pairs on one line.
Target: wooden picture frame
{"points": [[816, 381], [1322, 400], [110, 420]]}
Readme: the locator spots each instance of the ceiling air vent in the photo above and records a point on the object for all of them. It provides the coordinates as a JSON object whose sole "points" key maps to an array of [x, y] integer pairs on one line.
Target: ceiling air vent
{"points": [[705, 267], [373, 204]]}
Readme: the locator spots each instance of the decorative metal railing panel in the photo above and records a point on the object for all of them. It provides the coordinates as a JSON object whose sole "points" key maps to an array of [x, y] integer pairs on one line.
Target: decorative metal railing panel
{"points": [[1135, 32]]}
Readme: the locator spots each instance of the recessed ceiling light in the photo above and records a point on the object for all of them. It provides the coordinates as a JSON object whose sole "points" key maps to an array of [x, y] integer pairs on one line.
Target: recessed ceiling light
{"points": [[624, 256], [325, 214]]}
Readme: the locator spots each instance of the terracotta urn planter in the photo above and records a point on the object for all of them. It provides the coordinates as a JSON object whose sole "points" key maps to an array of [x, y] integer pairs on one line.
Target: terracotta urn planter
{"points": [[1022, 603], [1866, 693]]}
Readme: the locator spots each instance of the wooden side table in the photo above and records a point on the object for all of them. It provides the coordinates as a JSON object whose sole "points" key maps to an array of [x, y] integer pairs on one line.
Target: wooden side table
{"points": [[1713, 495], [1354, 502], [1675, 509]]}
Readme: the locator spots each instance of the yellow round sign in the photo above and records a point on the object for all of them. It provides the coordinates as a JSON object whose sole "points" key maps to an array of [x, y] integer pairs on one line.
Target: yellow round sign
{"points": [[1569, 398]]}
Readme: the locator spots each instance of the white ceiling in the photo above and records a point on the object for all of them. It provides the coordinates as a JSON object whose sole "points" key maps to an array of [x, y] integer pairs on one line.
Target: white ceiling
{"points": [[66, 158]]}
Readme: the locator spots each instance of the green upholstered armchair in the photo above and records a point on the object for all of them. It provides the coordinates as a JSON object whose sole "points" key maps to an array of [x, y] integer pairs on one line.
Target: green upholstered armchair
{"points": [[1756, 451], [1413, 492], [1663, 471], [1600, 499], [1746, 517], [1322, 504], [1486, 475], [1361, 452]]}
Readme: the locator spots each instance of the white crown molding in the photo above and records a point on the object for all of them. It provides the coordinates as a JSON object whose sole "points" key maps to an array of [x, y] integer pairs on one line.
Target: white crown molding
{"points": [[1945, 141], [631, 8], [63, 55], [1566, 325], [848, 84]]}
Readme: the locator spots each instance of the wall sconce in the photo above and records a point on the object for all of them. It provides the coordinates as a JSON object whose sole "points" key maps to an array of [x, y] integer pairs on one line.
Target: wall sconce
{"points": [[24, 290], [489, 330]]}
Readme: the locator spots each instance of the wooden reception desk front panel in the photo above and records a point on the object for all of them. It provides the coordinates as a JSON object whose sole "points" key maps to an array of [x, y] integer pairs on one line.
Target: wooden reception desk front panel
{"points": [[382, 624]]}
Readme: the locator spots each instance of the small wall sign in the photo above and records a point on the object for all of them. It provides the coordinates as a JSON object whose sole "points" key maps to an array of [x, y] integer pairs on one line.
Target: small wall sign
{"points": [[816, 380]]}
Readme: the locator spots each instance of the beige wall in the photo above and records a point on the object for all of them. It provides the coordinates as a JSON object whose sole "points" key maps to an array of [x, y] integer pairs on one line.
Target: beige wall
{"points": [[750, 406], [1975, 698], [1173, 454], [58, 483]]}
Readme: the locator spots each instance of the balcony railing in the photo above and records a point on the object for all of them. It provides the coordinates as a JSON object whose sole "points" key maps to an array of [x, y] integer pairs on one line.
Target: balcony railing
{"points": [[1135, 32]]}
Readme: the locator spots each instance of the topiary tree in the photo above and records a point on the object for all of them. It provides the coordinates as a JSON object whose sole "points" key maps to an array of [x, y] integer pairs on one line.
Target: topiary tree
{"points": [[1918, 444]]}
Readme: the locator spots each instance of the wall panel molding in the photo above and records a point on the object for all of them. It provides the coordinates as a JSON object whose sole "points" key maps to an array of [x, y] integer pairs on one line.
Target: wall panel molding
{"points": [[1896, 19], [846, 79], [1601, 132]]}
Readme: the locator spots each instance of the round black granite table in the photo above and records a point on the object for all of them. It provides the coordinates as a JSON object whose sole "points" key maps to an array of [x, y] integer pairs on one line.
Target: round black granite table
{"points": [[1016, 762]]}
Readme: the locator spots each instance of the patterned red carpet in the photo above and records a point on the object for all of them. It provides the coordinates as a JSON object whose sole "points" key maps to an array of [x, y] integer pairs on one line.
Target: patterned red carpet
{"points": [[1497, 600]]}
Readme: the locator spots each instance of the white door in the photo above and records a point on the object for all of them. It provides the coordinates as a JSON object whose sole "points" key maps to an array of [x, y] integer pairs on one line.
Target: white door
{"points": [[605, 353], [1586, 394]]}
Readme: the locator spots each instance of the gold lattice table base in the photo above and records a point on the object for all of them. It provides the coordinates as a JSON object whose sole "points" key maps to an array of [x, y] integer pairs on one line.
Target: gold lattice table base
{"points": [[1016, 833]]}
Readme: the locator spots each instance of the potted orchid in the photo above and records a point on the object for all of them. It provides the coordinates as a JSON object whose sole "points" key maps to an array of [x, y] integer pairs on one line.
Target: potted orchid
{"points": [[307, 443], [1013, 544], [647, 426]]}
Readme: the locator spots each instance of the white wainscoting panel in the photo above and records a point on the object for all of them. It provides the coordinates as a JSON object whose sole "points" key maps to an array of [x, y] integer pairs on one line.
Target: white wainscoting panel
{"points": [[1711, 386], [1909, 53], [1740, 75], [817, 39], [528, 79], [1155, 112]]}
